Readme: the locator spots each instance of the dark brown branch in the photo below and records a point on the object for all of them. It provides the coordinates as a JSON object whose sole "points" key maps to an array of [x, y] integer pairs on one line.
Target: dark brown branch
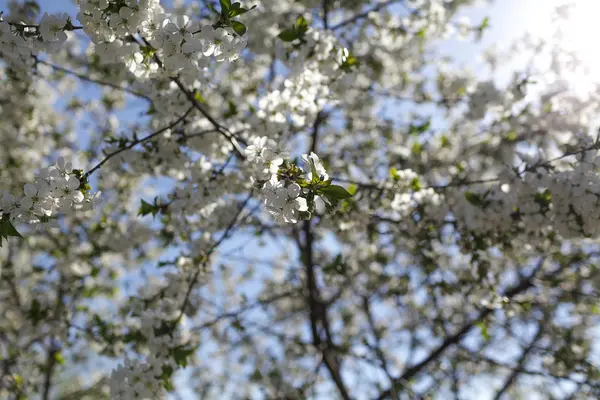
{"points": [[230, 227], [520, 364], [317, 313], [454, 339], [52, 346], [377, 346], [136, 142], [326, 14], [364, 14], [95, 81]]}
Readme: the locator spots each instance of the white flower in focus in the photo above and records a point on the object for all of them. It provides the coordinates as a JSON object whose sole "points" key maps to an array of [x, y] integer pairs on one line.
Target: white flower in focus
{"points": [[34, 194], [67, 191], [309, 160], [259, 149], [51, 28]]}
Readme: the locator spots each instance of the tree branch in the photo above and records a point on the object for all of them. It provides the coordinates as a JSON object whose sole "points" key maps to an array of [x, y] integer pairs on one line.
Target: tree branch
{"points": [[520, 364], [136, 142], [364, 14], [411, 372], [95, 81]]}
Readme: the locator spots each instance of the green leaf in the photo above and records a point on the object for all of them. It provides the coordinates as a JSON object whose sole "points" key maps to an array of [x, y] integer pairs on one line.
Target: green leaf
{"points": [[417, 148], [58, 357], [417, 129], [238, 27], [167, 372], [445, 141], [256, 375], [295, 32], [349, 63], [199, 98], [36, 313], [134, 336], [213, 9], [484, 330], [543, 198], [288, 35], [313, 170], [181, 354], [352, 189], [415, 184], [394, 174], [336, 266], [147, 208], [225, 6], [7, 229], [335, 192], [474, 198], [237, 10], [485, 23], [301, 25]]}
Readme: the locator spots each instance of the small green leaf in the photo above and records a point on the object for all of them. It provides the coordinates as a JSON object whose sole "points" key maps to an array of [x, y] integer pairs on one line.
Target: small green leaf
{"points": [[417, 148], [485, 23], [256, 375], [445, 141], [237, 10], [225, 6], [147, 208], [474, 198], [212, 8], [167, 372], [313, 170], [335, 192], [484, 330], [199, 98], [352, 189], [288, 35], [181, 354], [336, 266], [36, 313], [349, 63], [417, 129], [238, 27], [58, 357], [415, 184], [301, 25], [7, 229], [295, 32]]}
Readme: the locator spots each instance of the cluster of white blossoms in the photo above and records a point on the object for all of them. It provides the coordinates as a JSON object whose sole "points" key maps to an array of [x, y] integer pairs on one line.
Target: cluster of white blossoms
{"points": [[566, 202], [316, 70], [181, 45], [19, 42], [134, 380], [168, 343], [409, 195], [540, 198], [12, 46], [484, 97], [280, 182], [55, 190]]}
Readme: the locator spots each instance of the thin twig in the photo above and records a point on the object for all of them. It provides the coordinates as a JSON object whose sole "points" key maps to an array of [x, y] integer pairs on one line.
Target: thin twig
{"points": [[136, 142], [92, 80]]}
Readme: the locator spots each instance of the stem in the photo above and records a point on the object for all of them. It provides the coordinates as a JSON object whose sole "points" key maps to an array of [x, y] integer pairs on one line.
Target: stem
{"points": [[136, 142]]}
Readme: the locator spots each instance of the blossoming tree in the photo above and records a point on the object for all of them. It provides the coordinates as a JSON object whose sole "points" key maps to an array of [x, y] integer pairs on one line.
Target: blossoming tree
{"points": [[305, 239]]}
